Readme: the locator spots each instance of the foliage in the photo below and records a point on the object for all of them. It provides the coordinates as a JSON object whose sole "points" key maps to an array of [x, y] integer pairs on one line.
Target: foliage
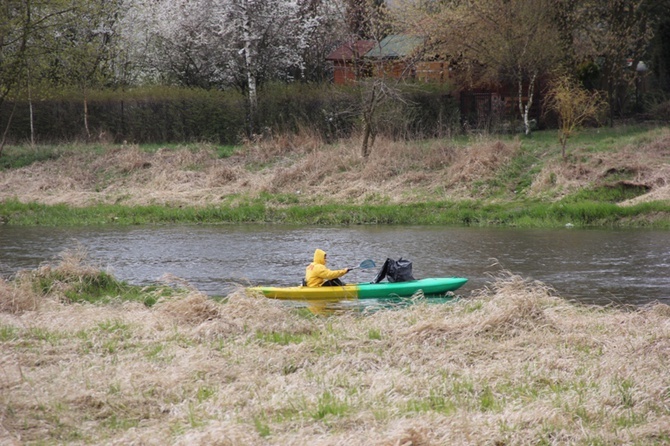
{"points": [[62, 44], [15, 159], [660, 111], [220, 43], [574, 105], [56, 49], [614, 34], [497, 41], [164, 114], [226, 43], [603, 194]]}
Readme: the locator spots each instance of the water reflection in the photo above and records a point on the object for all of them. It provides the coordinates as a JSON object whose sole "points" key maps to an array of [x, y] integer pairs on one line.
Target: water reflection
{"points": [[595, 266], [368, 306]]}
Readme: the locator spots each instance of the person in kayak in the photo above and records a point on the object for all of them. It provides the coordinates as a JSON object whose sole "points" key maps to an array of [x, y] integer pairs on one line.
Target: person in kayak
{"points": [[317, 274]]}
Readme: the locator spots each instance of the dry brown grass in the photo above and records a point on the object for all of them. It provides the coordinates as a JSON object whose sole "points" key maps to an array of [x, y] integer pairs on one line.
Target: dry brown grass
{"points": [[395, 172], [511, 364], [21, 295], [266, 148], [641, 164], [481, 161], [17, 297]]}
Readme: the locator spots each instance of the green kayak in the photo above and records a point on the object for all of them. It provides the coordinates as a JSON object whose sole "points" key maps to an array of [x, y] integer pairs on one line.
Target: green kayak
{"points": [[433, 287]]}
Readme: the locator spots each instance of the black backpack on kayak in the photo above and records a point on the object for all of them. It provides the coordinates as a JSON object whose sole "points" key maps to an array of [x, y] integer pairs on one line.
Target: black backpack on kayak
{"points": [[395, 271]]}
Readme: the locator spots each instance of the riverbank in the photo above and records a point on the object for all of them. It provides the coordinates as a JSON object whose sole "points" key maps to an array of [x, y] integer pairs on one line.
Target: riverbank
{"points": [[258, 211], [511, 364], [612, 177]]}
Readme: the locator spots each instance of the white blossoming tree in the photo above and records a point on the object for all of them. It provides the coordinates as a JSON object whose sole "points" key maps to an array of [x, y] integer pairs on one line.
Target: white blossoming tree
{"points": [[226, 43]]}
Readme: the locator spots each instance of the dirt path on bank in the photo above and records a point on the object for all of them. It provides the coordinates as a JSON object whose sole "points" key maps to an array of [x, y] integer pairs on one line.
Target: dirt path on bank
{"points": [[395, 172]]}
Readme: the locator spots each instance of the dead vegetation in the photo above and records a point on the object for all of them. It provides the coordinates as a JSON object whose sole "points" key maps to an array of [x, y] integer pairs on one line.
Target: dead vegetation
{"points": [[634, 165], [26, 291], [481, 161], [17, 297], [395, 172], [511, 364]]}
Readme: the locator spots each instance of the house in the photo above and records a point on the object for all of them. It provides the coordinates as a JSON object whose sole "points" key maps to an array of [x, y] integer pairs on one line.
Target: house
{"points": [[404, 56], [399, 56], [348, 63]]}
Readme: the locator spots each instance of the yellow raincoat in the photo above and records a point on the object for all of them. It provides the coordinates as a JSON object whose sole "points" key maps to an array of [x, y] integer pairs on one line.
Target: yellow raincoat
{"points": [[317, 273]]}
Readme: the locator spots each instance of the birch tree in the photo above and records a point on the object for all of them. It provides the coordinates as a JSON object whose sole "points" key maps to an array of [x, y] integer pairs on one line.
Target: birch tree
{"points": [[224, 43], [264, 39], [496, 41]]}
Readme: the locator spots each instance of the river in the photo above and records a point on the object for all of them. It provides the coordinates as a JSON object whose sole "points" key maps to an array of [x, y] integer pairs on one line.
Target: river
{"points": [[598, 266]]}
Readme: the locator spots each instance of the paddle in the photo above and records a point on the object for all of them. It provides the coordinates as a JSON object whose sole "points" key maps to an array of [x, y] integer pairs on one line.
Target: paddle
{"points": [[365, 264]]}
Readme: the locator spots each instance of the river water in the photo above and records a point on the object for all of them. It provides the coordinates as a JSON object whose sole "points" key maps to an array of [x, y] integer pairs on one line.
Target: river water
{"points": [[593, 266]]}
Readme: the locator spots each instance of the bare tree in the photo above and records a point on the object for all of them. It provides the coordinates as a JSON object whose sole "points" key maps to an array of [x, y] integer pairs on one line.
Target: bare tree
{"points": [[15, 27], [376, 80], [614, 35], [497, 41], [27, 28], [80, 48]]}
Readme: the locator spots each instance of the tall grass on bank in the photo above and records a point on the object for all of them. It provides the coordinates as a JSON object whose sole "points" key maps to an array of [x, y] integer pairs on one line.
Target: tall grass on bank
{"points": [[301, 179], [511, 364], [467, 213], [72, 280]]}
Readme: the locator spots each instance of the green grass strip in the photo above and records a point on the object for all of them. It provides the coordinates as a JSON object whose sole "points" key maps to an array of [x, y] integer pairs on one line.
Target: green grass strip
{"points": [[463, 213]]}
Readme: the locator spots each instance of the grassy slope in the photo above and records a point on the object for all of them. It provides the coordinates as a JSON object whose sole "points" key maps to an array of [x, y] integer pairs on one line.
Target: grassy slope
{"points": [[475, 180]]}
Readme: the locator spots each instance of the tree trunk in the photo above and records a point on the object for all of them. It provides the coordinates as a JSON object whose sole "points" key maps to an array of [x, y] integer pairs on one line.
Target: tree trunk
{"points": [[249, 63], [365, 148], [9, 123], [88, 132], [520, 93], [525, 109], [563, 139], [30, 106], [369, 132]]}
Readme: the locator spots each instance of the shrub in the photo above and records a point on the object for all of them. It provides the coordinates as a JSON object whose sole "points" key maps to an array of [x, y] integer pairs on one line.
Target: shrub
{"points": [[169, 114]]}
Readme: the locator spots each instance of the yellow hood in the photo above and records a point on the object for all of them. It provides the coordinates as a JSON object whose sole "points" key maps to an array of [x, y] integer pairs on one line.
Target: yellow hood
{"points": [[320, 257]]}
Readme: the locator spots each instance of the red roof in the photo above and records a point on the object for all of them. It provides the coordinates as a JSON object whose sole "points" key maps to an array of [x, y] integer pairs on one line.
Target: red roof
{"points": [[351, 50]]}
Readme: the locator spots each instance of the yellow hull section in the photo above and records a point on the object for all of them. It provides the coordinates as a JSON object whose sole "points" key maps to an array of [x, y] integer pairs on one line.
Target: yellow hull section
{"points": [[347, 292]]}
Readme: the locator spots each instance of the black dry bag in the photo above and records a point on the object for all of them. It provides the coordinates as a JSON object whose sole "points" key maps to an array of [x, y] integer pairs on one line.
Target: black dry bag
{"points": [[395, 271]]}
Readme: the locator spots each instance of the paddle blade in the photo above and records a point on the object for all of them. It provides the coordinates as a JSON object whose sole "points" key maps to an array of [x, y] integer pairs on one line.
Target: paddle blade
{"points": [[365, 264]]}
